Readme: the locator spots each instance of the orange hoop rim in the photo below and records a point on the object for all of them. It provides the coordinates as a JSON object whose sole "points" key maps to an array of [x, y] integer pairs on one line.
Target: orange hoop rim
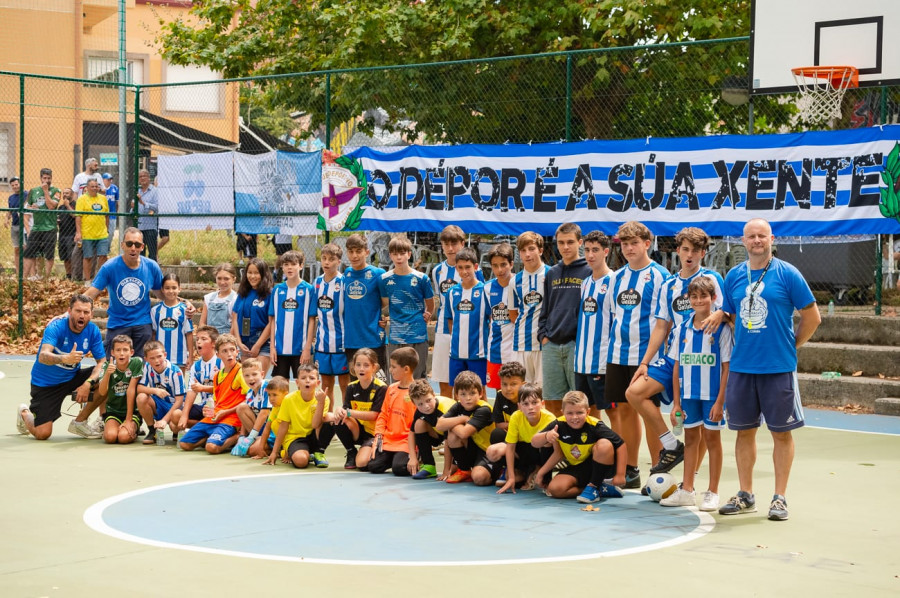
{"points": [[839, 76]]}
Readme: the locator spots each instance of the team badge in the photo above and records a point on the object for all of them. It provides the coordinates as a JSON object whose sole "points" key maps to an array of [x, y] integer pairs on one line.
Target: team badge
{"points": [[414, 282], [584, 437]]}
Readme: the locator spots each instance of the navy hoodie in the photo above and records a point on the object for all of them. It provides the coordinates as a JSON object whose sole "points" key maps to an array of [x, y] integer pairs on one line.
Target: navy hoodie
{"points": [[562, 294]]}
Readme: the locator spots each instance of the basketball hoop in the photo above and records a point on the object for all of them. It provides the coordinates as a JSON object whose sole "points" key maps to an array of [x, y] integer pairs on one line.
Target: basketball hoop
{"points": [[821, 90]]}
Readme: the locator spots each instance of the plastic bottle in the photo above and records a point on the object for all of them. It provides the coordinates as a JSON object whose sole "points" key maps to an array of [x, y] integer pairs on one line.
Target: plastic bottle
{"points": [[161, 437], [211, 404], [831, 307], [830, 375], [679, 424]]}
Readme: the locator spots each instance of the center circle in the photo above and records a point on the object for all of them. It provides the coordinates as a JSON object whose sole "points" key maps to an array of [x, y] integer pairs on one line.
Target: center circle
{"points": [[321, 517]]}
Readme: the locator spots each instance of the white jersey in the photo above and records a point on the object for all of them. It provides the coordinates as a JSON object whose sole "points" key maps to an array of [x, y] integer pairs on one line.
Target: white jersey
{"points": [[674, 304], [592, 338], [203, 372], [632, 299], [700, 357], [528, 298], [79, 185]]}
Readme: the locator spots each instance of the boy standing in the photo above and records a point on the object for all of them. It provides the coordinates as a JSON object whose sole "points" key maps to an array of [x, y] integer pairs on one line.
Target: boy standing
{"points": [[200, 382], [292, 315], [328, 327], [408, 296], [467, 319], [699, 380], [160, 387], [396, 417], [363, 297], [468, 426], [299, 420], [528, 300], [502, 315], [118, 384]]}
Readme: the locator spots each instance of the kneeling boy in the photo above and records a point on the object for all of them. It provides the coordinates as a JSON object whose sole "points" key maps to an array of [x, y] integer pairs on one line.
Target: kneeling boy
{"points": [[161, 386], [118, 383], [299, 421], [522, 459]]}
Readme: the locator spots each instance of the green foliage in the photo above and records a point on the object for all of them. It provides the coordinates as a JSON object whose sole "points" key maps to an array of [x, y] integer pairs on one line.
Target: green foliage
{"points": [[257, 109], [890, 194]]}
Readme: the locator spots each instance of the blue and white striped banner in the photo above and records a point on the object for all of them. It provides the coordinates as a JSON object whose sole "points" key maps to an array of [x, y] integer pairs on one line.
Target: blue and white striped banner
{"points": [[821, 183]]}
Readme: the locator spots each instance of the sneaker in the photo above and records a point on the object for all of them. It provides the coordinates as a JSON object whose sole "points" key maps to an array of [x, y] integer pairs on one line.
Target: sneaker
{"points": [[589, 494], [459, 476], [610, 491], [426, 473], [20, 421], [668, 459], [632, 477], [778, 509], [82, 429], [320, 460], [501, 480], [151, 436], [97, 425], [742, 502], [350, 462], [710, 501], [680, 498]]}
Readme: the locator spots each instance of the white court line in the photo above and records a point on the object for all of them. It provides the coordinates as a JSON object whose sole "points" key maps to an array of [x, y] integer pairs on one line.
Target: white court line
{"points": [[93, 518]]}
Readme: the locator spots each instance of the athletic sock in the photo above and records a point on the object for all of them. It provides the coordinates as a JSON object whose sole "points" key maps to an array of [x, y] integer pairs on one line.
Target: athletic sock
{"points": [[461, 458], [423, 443], [669, 441]]}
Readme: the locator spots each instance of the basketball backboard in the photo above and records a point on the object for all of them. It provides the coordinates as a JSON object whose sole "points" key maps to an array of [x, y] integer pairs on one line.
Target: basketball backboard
{"points": [[793, 33]]}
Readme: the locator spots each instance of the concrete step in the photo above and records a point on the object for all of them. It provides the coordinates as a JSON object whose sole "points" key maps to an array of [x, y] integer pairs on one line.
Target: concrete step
{"points": [[887, 406], [871, 359], [846, 390], [858, 330]]}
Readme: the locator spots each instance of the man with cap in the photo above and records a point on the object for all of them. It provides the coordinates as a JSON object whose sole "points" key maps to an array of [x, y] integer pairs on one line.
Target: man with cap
{"points": [[12, 218]]}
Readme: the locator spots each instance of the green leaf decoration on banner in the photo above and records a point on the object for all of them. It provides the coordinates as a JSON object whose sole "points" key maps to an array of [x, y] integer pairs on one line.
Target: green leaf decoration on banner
{"points": [[890, 194], [356, 169], [321, 223]]}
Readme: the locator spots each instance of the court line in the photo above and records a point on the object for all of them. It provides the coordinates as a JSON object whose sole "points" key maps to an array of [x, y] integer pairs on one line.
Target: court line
{"points": [[93, 518]]}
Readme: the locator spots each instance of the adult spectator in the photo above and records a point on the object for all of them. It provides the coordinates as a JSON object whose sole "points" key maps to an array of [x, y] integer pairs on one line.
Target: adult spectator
{"points": [[112, 198], [763, 293], [91, 168], [558, 325], [92, 230], [57, 372], [148, 206], [42, 202], [65, 221], [12, 218]]}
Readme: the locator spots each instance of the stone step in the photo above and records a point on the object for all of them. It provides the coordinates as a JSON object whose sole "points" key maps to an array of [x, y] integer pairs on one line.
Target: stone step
{"points": [[846, 390], [887, 406], [871, 359], [858, 330]]}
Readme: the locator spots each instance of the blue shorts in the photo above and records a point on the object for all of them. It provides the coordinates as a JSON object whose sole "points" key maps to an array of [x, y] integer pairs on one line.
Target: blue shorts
{"points": [[751, 397], [162, 407], [215, 434], [479, 366], [253, 338], [94, 247], [696, 413], [662, 370], [332, 364]]}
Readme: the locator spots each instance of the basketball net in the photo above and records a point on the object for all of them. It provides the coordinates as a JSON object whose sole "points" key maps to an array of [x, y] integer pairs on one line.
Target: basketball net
{"points": [[822, 89]]}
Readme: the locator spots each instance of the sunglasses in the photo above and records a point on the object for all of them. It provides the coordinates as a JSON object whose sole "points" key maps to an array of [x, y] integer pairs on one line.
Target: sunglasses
{"points": [[137, 244]]}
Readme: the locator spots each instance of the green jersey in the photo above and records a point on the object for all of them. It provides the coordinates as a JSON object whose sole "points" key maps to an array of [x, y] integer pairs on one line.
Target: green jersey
{"points": [[44, 218], [119, 381]]}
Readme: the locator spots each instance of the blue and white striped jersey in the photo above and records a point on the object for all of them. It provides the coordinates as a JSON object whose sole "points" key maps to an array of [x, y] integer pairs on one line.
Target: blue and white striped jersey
{"points": [[468, 308], [329, 315], [674, 304], [170, 379], [444, 278], [528, 298], [500, 332], [203, 372], [171, 325], [259, 399], [592, 338], [700, 357], [632, 298], [292, 307]]}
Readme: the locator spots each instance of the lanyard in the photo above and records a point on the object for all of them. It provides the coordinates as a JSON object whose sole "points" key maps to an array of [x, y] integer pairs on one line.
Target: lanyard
{"points": [[753, 291]]}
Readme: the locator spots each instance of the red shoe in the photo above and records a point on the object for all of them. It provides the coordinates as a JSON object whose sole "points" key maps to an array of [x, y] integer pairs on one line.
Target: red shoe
{"points": [[461, 475]]}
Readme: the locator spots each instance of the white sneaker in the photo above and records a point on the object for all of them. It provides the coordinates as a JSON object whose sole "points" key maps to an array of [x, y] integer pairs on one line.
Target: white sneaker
{"points": [[97, 426], [679, 498], [20, 421], [710, 501], [82, 429]]}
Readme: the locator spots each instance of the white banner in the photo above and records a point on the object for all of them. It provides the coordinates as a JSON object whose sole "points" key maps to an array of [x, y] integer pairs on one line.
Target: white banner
{"points": [[196, 184]]}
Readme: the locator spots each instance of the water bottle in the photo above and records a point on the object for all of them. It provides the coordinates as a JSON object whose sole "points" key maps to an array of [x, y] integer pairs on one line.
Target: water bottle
{"points": [[679, 424], [161, 437], [831, 307], [211, 404], [830, 375]]}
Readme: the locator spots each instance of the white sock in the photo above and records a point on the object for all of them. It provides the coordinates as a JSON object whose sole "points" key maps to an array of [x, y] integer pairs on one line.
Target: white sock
{"points": [[669, 441]]}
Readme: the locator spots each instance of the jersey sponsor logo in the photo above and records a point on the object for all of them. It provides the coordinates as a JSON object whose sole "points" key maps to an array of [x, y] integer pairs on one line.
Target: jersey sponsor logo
{"points": [[325, 303], [446, 285], [500, 313], [290, 304], [259, 303], [168, 324], [629, 299], [533, 298], [97, 207], [681, 303], [130, 291], [356, 289], [575, 451], [589, 306], [698, 359], [121, 387], [465, 306]]}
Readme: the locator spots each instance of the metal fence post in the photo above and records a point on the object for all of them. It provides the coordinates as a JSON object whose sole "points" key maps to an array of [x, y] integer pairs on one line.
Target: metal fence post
{"points": [[20, 299], [327, 129], [568, 97], [137, 152], [879, 256]]}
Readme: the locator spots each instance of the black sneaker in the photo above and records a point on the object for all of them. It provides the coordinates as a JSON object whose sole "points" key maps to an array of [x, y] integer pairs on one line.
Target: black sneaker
{"points": [[350, 463], [632, 477], [668, 459]]}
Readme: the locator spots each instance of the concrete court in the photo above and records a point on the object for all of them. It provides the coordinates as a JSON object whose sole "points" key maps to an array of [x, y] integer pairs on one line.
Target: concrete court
{"points": [[843, 537]]}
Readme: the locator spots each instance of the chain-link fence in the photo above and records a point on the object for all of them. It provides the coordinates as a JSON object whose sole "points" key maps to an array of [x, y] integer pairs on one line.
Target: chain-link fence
{"points": [[682, 90]]}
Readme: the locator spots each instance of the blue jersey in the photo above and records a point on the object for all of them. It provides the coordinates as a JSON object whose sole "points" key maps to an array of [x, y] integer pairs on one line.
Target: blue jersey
{"points": [[129, 290], [259, 399], [406, 295], [330, 315], [252, 313], [500, 333], [292, 307], [764, 341], [58, 335], [700, 357], [170, 379], [364, 302], [468, 308], [112, 198], [171, 325], [632, 299], [528, 298], [444, 278], [203, 372], [674, 303], [592, 338]]}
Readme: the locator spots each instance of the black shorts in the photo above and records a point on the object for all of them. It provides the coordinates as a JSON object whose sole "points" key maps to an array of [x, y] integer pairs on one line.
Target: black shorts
{"points": [[282, 248], [434, 441], [46, 401], [120, 417], [618, 377], [307, 443], [66, 247], [163, 233], [246, 247], [529, 458], [585, 470], [41, 243], [594, 387], [285, 365], [495, 467]]}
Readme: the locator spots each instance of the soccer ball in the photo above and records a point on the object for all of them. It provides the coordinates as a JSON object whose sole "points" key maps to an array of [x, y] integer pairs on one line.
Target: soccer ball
{"points": [[659, 486]]}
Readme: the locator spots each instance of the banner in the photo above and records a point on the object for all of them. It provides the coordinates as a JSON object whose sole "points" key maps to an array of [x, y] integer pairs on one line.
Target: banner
{"points": [[820, 183], [273, 185], [199, 184]]}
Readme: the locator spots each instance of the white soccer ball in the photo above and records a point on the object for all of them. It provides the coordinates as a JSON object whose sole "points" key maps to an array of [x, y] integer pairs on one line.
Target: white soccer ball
{"points": [[659, 486]]}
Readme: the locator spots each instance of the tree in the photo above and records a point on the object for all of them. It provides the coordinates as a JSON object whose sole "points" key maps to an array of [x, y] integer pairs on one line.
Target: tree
{"points": [[652, 90]]}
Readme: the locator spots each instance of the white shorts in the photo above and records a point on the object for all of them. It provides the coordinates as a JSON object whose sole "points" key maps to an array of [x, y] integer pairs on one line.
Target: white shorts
{"points": [[532, 362], [440, 358]]}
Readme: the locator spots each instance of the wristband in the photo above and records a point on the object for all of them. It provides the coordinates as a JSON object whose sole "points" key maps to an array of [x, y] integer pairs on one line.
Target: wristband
{"points": [[348, 413], [644, 364]]}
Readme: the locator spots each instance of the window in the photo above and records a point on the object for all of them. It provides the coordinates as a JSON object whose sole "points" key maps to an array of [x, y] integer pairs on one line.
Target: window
{"points": [[106, 68], [7, 152], [204, 99]]}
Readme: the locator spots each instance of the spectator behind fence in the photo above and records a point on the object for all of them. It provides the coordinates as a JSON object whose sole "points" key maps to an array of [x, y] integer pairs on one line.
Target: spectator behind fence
{"points": [[12, 218], [92, 230], [42, 202], [148, 206], [112, 198], [66, 224]]}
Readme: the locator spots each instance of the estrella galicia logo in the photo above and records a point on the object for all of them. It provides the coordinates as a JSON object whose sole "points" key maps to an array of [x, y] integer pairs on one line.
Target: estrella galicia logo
{"points": [[130, 291], [356, 289]]}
